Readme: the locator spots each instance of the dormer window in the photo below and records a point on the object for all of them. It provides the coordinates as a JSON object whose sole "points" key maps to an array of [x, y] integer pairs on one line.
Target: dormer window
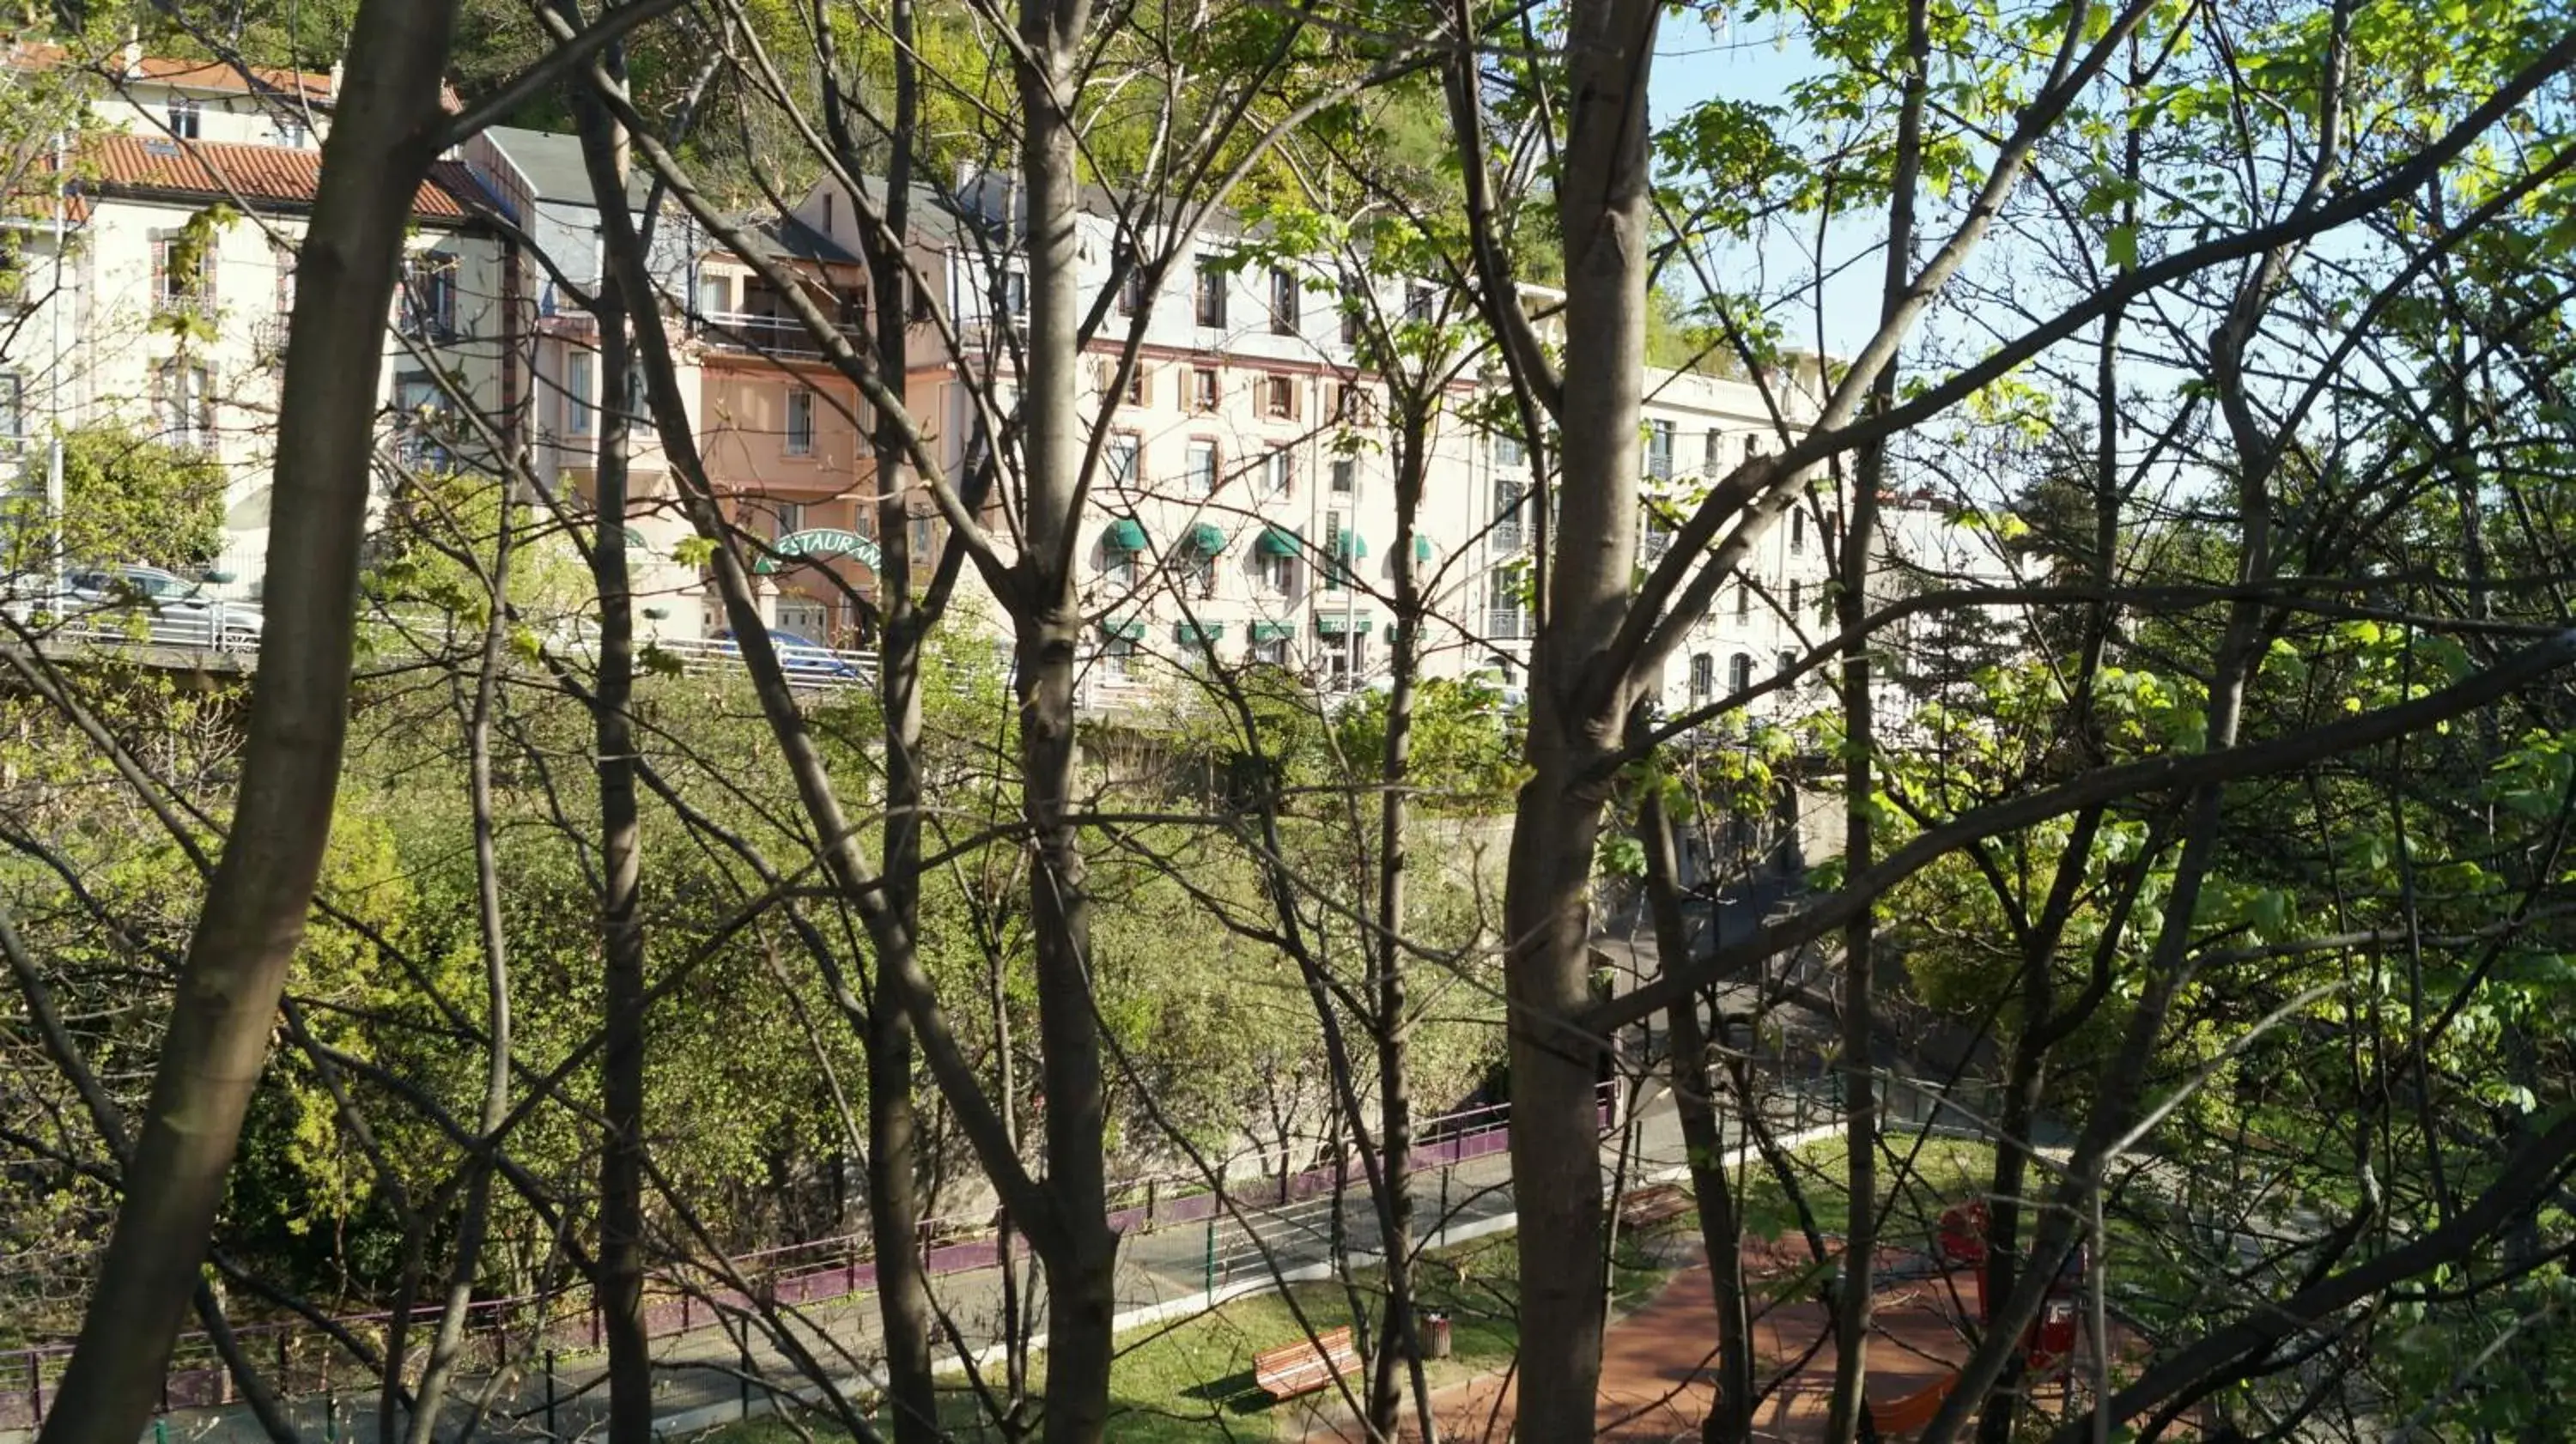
{"points": [[183, 117]]}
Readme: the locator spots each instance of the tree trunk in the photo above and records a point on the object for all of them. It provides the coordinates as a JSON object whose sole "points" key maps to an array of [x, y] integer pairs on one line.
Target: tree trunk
{"points": [[620, 1285], [1575, 716], [1080, 1267], [382, 142], [1399, 1349], [1721, 1223]]}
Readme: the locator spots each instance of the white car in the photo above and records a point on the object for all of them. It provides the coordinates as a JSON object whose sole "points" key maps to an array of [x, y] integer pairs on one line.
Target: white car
{"points": [[172, 610]]}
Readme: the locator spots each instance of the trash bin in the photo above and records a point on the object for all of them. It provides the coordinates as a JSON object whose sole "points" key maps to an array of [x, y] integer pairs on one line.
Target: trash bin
{"points": [[1435, 1335]]}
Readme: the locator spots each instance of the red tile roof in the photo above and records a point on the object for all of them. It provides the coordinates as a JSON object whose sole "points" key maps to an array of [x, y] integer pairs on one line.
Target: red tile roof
{"points": [[257, 173], [219, 75]]}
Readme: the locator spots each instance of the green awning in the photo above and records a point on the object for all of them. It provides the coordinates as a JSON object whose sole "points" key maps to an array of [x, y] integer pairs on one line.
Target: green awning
{"points": [[635, 540], [1197, 631], [1122, 631], [1334, 624], [816, 544], [1124, 535], [1421, 547], [1350, 545], [1271, 631], [1278, 542], [1207, 539]]}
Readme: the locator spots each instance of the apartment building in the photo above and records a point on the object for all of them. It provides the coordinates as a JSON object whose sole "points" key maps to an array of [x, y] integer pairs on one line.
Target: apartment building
{"points": [[154, 297]]}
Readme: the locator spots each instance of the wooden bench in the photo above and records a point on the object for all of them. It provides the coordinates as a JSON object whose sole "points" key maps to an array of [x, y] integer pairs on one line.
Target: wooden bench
{"points": [[1650, 1206], [1293, 1369]]}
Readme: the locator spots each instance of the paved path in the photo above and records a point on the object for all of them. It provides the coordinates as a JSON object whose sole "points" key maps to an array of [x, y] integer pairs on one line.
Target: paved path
{"points": [[713, 1374]]}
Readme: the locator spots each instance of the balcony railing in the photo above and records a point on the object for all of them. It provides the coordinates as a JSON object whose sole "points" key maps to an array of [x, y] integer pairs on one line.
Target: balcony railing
{"points": [[183, 303], [1509, 534], [268, 339], [1507, 624], [749, 334]]}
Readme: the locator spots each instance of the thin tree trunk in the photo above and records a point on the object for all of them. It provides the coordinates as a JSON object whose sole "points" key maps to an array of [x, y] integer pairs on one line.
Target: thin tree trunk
{"points": [[1398, 1344], [894, 1204], [1721, 1223], [1857, 1284], [620, 1285], [476, 1214], [382, 141]]}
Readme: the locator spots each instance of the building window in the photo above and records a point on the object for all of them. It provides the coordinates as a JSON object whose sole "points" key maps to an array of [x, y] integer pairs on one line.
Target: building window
{"points": [[1211, 295], [1139, 393], [789, 516], [715, 295], [1797, 599], [1355, 310], [1276, 573], [1118, 567], [1508, 451], [184, 114], [577, 394], [1658, 538], [1659, 450], [1752, 446], [1199, 476], [1131, 291], [13, 410], [1286, 300], [1703, 676], [1743, 601], [1739, 672], [1508, 496], [1337, 575], [1788, 663], [183, 402], [1117, 654], [1346, 472], [1505, 619], [1279, 473], [1015, 293], [1708, 456], [1198, 570], [418, 407], [1797, 535], [1419, 300], [283, 255], [1346, 655], [800, 422], [1203, 392], [289, 131], [925, 539], [1279, 397], [429, 297], [1123, 451], [183, 274], [1270, 651]]}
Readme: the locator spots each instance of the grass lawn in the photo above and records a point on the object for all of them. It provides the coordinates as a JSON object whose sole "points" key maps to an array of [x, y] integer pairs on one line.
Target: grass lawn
{"points": [[1191, 1379], [1942, 1172]]}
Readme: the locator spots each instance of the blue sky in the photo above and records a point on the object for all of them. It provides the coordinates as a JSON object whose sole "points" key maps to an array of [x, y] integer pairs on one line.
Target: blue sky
{"points": [[1758, 63]]}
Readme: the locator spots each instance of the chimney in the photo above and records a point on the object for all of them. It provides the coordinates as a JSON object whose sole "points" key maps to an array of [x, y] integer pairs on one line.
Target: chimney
{"points": [[133, 55], [338, 68]]}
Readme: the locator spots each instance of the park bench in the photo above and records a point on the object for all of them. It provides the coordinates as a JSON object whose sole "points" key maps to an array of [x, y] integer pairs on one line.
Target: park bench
{"points": [[1293, 1369], [1650, 1206]]}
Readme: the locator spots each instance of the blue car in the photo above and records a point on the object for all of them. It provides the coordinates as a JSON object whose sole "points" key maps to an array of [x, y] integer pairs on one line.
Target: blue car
{"points": [[802, 659]]}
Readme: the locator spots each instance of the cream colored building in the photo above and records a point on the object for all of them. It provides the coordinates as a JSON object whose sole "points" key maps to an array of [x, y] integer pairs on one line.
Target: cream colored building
{"points": [[155, 297]]}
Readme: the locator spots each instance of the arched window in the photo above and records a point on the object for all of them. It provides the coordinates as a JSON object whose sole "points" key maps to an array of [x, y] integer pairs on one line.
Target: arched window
{"points": [[1703, 675]]}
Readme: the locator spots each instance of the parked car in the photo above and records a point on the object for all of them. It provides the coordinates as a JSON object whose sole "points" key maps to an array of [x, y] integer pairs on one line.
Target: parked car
{"points": [[174, 611], [802, 658]]}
